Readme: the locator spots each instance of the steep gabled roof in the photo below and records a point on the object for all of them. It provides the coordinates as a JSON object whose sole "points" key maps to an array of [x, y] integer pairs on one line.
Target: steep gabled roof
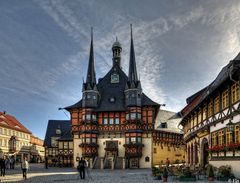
{"points": [[9, 121], [193, 101], [108, 90], [171, 119], [65, 127]]}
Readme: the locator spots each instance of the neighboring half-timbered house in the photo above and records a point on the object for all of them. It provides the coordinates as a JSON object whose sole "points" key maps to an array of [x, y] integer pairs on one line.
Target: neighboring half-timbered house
{"points": [[58, 143], [211, 121]]}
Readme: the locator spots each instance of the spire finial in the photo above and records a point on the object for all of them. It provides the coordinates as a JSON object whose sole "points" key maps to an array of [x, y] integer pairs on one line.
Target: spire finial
{"points": [[131, 31], [91, 33], [116, 39]]}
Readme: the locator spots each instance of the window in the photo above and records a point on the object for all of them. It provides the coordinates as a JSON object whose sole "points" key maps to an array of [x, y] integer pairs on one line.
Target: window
{"points": [[88, 116], [163, 125], [221, 137], [139, 115], [116, 121], [225, 102], [94, 140], [204, 112], [94, 117], [65, 145], [195, 120], [111, 121], [133, 115], [105, 121], [127, 116], [60, 145], [133, 140], [58, 131], [237, 137], [154, 150], [139, 140], [127, 140], [235, 92], [228, 137], [216, 105], [210, 109], [87, 140], [199, 116], [88, 96], [214, 139], [70, 145], [54, 141], [94, 97]]}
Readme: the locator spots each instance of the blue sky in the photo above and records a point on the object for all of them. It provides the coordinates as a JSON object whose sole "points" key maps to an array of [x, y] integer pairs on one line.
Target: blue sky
{"points": [[180, 48]]}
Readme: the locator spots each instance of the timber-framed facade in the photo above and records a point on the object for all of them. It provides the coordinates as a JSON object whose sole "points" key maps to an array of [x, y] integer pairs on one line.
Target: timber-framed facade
{"points": [[207, 118]]}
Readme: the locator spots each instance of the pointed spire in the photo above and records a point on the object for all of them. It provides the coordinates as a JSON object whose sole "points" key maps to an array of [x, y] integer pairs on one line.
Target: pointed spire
{"points": [[132, 74], [91, 76]]}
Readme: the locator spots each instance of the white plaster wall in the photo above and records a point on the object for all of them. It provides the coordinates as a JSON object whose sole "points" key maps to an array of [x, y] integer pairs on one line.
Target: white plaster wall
{"points": [[235, 165], [146, 151], [218, 126], [76, 149], [101, 148]]}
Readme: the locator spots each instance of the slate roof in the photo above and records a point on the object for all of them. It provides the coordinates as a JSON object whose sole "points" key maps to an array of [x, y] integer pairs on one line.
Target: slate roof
{"points": [[9, 121], [108, 90], [198, 97], [171, 118], [65, 126]]}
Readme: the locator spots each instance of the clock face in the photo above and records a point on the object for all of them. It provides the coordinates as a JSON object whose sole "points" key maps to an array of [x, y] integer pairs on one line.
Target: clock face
{"points": [[115, 78]]}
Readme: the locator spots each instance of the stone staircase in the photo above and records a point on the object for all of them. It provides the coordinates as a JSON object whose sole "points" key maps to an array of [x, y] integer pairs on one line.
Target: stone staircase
{"points": [[118, 162], [97, 163], [107, 163]]}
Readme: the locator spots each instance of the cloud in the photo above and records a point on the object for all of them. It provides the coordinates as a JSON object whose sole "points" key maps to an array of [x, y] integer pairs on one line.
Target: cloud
{"points": [[150, 64]]}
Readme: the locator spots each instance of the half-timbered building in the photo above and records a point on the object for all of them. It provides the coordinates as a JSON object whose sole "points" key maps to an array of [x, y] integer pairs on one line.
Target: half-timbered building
{"points": [[58, 143], [211, 121], [113, 123]]}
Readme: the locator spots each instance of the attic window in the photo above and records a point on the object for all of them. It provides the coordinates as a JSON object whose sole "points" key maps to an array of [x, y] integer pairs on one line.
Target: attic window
{"points": [[58, 131], [17, 126], [112, 99], [163, 125]]}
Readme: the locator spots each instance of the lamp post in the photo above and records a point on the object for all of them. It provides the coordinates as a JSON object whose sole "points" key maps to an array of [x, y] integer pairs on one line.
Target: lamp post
{"points": [[230, 128]]}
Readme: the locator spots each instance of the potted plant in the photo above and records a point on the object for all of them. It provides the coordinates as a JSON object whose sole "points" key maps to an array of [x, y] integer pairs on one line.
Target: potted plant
{"points": [[210, 173], [165, 174]]}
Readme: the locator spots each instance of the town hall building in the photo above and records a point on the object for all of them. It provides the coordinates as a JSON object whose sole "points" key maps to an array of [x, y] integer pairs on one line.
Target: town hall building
{"points": [[113, 125]]}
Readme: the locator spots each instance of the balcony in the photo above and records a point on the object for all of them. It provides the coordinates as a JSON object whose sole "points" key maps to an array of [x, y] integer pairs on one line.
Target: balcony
{"points": [[133, 145], [84, 144]]}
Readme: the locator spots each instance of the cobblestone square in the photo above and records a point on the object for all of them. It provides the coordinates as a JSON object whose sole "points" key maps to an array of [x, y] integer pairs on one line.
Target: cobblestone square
{"points": [[39, 174]]}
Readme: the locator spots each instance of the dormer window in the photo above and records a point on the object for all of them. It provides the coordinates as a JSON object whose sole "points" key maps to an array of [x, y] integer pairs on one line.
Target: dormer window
{"points": [[112, 99], [58, 131], [163, 125]]}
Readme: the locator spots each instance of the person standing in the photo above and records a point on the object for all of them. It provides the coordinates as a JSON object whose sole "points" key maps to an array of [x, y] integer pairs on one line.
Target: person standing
{"points": [[3, 166], [167, 162], [25, 167], [81, 168], [46, 162]]}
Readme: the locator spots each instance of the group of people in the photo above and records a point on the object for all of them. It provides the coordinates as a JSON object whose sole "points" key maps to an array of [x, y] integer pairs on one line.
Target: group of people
{"points": [[82, 166], [9, 163]]}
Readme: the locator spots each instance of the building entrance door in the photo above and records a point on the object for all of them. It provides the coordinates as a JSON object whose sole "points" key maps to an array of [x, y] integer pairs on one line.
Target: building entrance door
{"points": [[134, 163], [111, 149], [205, 152]]}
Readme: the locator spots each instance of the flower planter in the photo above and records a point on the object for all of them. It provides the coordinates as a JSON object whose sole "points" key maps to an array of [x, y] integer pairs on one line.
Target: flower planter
{"points": [[164, 179], [210, 178]]}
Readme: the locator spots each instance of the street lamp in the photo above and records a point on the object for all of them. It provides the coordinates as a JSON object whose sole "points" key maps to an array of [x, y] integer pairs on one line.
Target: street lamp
{"points": [[230, 126]]}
